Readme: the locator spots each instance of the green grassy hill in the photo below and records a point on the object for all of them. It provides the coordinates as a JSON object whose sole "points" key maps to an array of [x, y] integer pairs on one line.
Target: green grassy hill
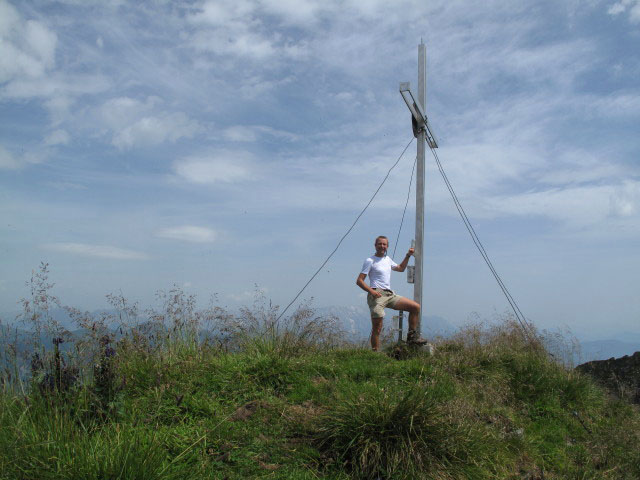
{"points": [[289, 399], [288, 404]]}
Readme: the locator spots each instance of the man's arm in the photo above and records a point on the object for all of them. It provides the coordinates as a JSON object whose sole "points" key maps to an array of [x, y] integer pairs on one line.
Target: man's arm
{"points": [[403, 264], [360, 282]]}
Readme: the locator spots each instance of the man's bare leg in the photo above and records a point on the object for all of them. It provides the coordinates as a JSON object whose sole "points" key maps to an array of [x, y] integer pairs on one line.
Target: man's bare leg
{"points": [[413, 308], [376, 328], [410, 306]]}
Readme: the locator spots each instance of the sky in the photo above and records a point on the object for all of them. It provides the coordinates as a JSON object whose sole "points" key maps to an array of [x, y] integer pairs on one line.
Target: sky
{"points": [[226, 146]]}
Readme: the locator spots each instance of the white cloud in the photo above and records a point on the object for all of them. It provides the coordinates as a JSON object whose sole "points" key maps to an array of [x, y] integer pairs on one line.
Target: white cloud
{"points": [[298, 12], [625, 200], [240, 29], [555, 61], [100, 251], [573, 175], [218, 14], [616, 8], [9, 18], [620, 7], [7, 160], [346, 97], [154, 130], [478, 168], [248, 44], [58, 108], [251, 133], [231, 29], [10, 161], [579, 206], [120, 111], [56, 85], [240, 133], [67, 186], [309, 13], [221, 167], [57, 137], [136, 123], [28, 47], [257, 86], [281, 134], [189, 233], [616, 105]]}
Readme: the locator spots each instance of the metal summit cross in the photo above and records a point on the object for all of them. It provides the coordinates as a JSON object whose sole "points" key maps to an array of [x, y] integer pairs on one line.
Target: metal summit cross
{"points": [[423, 132]]}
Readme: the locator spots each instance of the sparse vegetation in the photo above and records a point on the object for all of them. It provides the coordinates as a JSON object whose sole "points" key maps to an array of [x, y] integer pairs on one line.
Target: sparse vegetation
{"points": [[155, 398]]}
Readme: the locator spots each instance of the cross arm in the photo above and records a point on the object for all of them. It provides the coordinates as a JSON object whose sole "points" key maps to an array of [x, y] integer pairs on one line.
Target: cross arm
{"points": [[418, 113]]}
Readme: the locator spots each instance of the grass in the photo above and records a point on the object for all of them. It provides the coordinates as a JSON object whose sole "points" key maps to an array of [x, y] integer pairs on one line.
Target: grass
{"points": [[344, 413], [290, 401], [410, 431]]}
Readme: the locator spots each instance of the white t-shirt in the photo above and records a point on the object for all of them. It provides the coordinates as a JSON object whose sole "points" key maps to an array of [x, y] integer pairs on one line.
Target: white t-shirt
{"points": [[379, 271]]}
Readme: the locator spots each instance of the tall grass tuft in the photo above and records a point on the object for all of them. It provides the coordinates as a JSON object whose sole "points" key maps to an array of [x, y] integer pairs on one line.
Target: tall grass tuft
{"points": [[45, 442], [259, 329], [405, 433]]}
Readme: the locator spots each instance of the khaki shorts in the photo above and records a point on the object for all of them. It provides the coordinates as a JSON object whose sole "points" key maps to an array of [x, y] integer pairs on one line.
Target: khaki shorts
{"points": [[378, 304]]}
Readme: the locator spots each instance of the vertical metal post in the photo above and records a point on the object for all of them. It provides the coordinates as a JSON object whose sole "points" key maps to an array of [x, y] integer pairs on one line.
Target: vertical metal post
{"points": [[419, 253], [400, 322]]}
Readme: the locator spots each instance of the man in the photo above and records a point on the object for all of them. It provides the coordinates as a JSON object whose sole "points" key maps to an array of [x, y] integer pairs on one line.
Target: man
{"points": [[380, 295]]}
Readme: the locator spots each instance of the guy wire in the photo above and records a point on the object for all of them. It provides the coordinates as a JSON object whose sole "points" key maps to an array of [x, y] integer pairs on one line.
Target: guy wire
{"points": [[476, 240], [405, 208], [348, 231]]}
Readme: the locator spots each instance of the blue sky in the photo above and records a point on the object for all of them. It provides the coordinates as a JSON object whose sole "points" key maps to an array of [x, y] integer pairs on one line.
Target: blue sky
{"points": [[219, 145]]}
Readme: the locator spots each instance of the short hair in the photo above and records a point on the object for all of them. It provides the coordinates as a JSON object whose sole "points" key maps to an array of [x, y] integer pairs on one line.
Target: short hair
{"points": [[379, 237]]}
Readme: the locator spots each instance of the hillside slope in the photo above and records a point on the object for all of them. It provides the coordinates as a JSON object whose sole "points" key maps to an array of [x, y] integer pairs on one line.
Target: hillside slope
{"points": [[281, 405]]}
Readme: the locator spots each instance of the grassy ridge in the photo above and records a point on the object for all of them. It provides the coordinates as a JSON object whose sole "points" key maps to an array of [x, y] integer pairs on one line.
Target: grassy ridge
{"points": [[289, 400], [486, 405]]}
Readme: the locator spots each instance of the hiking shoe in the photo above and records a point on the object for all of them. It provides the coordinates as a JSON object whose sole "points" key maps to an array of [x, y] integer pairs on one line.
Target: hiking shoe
{"points": [[414, 339]]}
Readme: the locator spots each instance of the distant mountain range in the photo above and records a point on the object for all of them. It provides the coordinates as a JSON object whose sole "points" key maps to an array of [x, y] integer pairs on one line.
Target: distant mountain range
{"points": [[356, 321]]}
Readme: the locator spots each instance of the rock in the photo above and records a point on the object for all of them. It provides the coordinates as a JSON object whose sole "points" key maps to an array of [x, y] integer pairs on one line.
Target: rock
{"points": [[246, 411], [619, 375]]}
